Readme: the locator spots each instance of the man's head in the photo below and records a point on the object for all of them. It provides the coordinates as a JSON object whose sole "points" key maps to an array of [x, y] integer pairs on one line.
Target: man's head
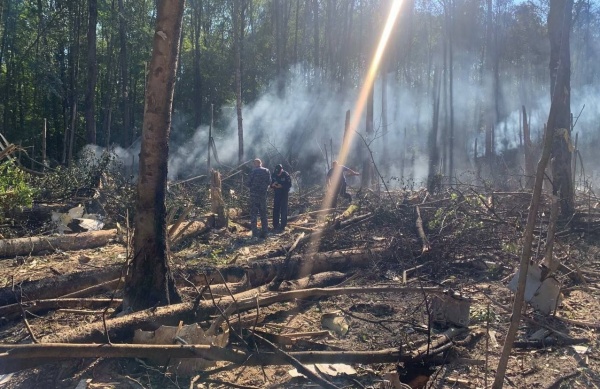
{"points": [[278, 169], [257, 162], [334, 164]]}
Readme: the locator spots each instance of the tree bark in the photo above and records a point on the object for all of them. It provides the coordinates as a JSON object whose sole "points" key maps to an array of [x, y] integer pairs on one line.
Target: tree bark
{"points": [[92, 74], [41, 305], [127, 135], [367, 168], [52, 287], [528, 150], [237, 33], [264, 271], [10, 248], [433, 177], [559, 29], [149, 280], [217, 205]]}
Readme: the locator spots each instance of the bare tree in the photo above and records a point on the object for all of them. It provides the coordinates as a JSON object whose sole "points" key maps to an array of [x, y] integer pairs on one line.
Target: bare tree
{"points": [[559, 29], [238, 28], [149, 281], [92, 74]]}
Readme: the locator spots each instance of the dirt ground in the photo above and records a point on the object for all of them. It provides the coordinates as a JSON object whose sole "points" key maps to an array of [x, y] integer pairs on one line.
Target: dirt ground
{"points": [[471, 249]]}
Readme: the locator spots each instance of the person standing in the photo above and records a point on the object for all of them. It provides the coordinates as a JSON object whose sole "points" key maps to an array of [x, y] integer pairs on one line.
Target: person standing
{"points": [[281, 182], [336, 179], [258, 183]]}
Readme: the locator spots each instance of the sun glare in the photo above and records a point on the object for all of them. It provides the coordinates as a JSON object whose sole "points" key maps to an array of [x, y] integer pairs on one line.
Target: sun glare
{"points": [[361, 102]]}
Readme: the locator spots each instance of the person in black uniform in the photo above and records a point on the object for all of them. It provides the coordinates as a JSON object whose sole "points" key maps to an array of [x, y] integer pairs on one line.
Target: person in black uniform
{"points": [[281, 182]]}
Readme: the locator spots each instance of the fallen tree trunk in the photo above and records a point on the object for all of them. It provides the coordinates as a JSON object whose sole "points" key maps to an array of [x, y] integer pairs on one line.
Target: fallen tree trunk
{"points": [[16, 357], [264, 271], [254, 274], [29, 246], [50, 304], [58, 286], [121, 328], [107, 286]]}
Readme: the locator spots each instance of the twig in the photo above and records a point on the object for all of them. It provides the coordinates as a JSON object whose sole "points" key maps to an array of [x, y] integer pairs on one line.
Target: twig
{"points": [[223, 314], [377, 322], [375, 166], [558, 383], [419, 224], [24, 315], [228, 384], [298, 365]]}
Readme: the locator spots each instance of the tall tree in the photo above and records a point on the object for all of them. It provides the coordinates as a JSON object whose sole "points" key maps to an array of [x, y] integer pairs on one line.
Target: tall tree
{"points": [[149, 280], [196, 31], [92, 73], [238, 25], [559, 30], [127, 135]]}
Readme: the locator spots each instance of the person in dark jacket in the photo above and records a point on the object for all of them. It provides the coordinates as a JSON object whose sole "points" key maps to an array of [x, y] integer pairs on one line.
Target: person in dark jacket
{"points": [[336, 179], [258, 182], [281, 182]]}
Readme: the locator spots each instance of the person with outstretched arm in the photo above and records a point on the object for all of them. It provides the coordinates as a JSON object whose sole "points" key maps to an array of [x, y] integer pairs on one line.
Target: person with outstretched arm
{"points": [[336, 179]]}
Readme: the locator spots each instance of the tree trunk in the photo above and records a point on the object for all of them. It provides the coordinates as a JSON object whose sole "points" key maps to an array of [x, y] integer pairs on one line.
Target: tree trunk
{"points": [[196, 27], [10, 248], [149, 280], [19, 357], [316, 48], [559, 29], [528, 150], [237, 23], [217, 205], [450, 17], [52, 287], [264, 271], [90, 116], [433, 178], [127, 134], [108, 86], [367, 168]]}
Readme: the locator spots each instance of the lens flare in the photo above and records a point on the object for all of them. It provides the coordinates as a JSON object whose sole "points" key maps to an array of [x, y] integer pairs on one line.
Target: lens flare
{"points": [[361, 102]]}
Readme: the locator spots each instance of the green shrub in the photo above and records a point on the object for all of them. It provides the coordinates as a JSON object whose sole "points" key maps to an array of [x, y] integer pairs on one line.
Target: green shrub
{"points": [[15, 190]]}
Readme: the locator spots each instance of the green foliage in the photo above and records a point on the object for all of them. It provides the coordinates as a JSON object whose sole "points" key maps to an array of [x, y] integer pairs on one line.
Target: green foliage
{"points": [[480, 314], [89, 176], [459, 214], [15, 190]]}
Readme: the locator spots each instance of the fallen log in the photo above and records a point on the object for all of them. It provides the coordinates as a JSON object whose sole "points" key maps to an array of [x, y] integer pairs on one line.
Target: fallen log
{"points": [[264, 271], [14, 357], [58, 286], [121, 328], [28, 246], [51, 304], [107, 286], [254, 274]]}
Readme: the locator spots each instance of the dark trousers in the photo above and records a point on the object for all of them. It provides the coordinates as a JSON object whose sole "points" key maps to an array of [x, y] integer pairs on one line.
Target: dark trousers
{"points": [[258, 206], [280, 208], [341, 191]]}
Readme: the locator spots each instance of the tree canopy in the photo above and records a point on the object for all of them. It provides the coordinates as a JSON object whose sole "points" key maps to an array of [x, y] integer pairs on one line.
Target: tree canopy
{"points": [[302, 63]]}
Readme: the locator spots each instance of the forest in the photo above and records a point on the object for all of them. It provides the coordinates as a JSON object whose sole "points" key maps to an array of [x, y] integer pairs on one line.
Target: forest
{"points": [[462, 249], [77, 70]]}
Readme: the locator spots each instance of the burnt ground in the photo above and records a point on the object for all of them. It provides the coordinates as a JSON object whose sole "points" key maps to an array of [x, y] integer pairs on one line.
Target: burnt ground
{"points": [[473, 247]]}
